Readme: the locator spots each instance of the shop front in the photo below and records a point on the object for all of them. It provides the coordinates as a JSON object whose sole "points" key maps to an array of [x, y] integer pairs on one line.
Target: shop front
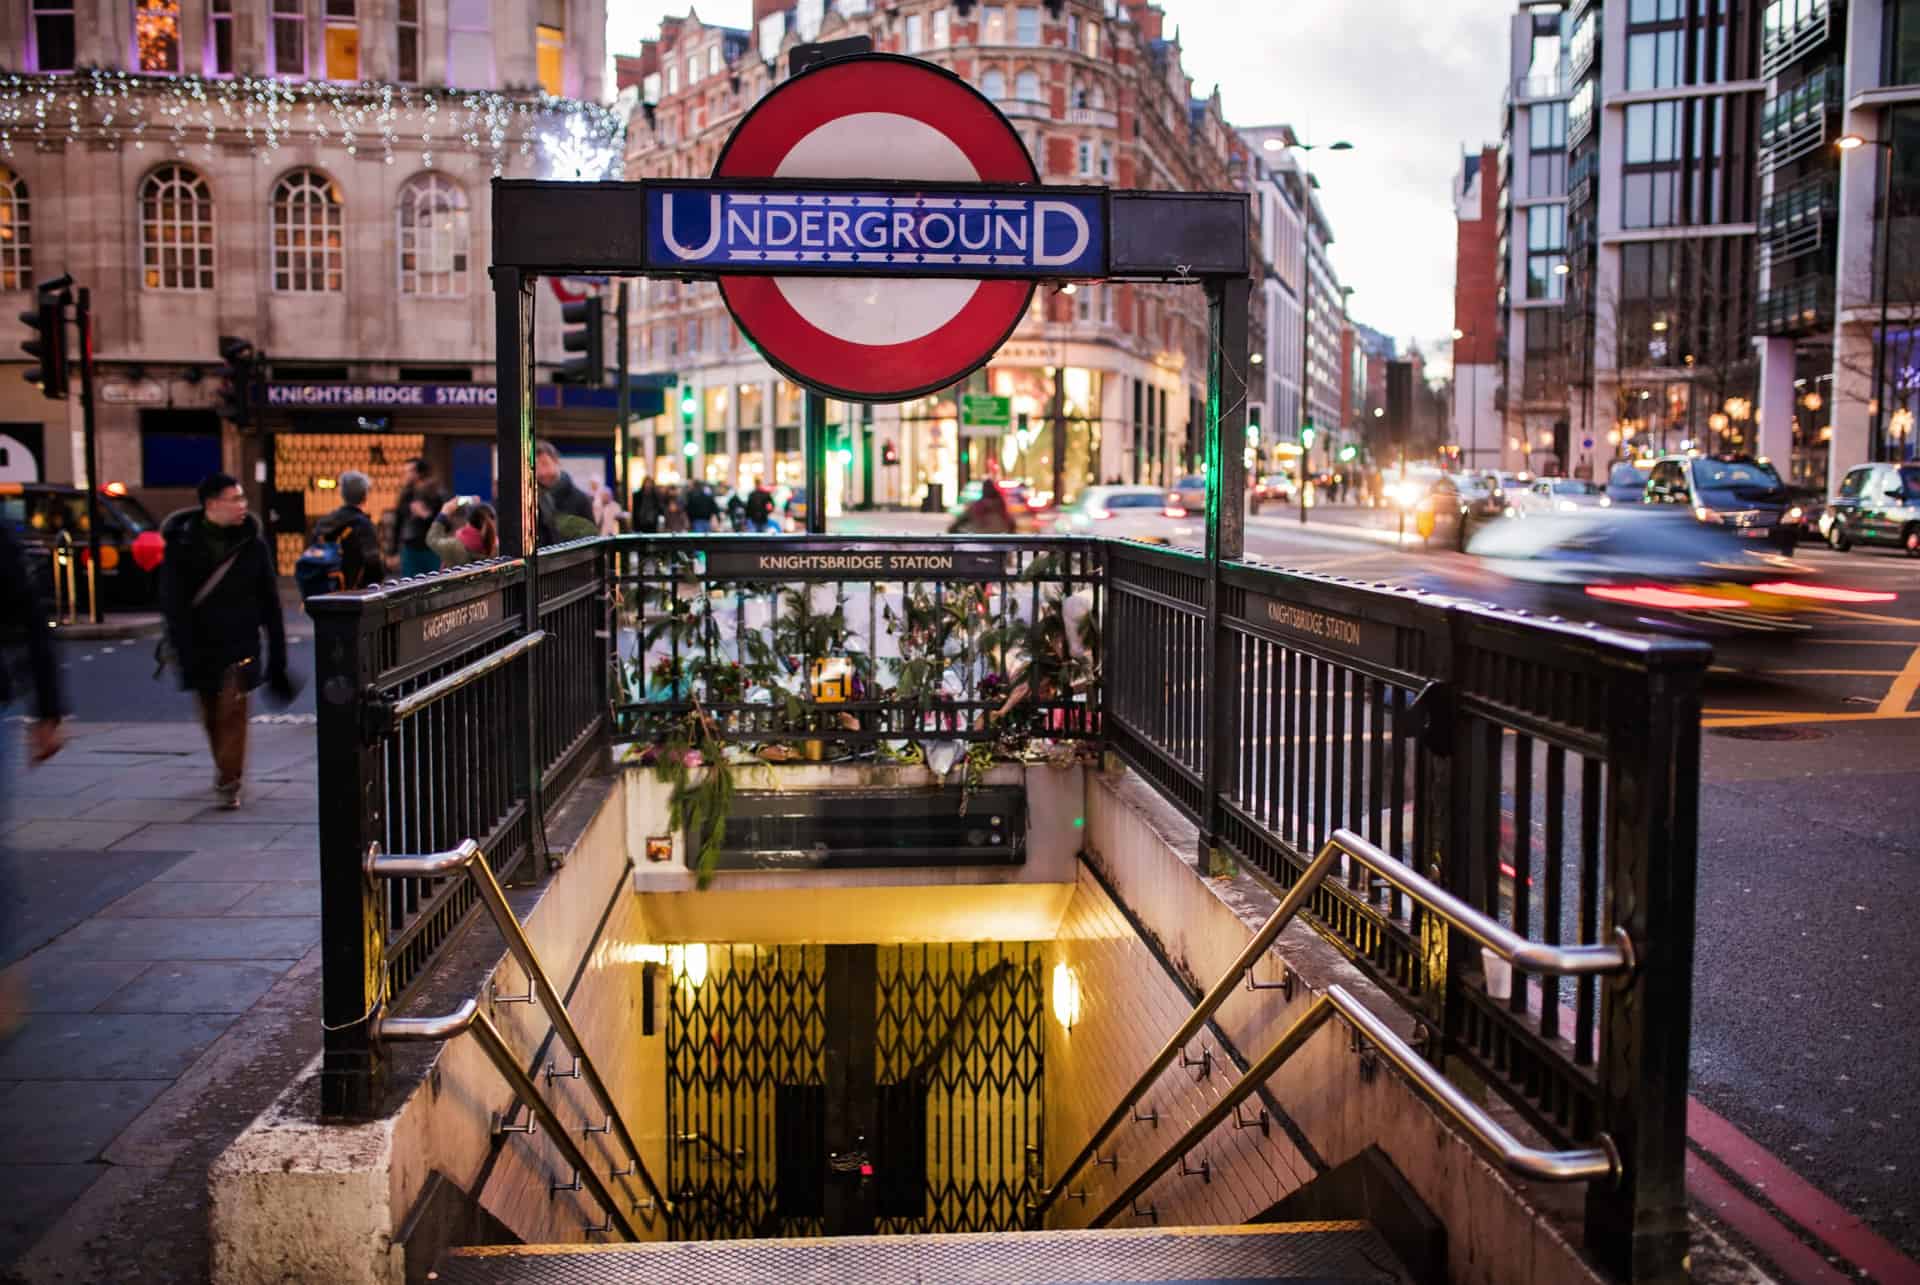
{"points": [[310, 433]]}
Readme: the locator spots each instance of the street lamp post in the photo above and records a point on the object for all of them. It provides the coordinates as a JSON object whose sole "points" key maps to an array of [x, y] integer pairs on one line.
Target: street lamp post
{"points": [[1877, 435], [1473, 395]]}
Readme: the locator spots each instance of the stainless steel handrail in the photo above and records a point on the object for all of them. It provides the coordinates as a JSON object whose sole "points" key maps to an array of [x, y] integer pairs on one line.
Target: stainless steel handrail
{"points": [[1582, 1165], [415, 701], [735, 1156], [468, 1019], [468, 859], [1532, 956], [1176, 1043]]}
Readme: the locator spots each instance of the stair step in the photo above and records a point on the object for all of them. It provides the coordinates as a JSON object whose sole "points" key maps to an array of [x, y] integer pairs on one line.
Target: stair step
{"points": [[1320, 1251]]}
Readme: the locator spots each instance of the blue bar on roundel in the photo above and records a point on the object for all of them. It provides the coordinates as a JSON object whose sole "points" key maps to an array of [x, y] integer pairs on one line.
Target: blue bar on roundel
{"points": [[946, 232]]}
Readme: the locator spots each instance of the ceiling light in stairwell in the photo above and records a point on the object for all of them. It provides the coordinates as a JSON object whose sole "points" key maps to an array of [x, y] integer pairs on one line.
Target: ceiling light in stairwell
{"points": [[688, 964]]}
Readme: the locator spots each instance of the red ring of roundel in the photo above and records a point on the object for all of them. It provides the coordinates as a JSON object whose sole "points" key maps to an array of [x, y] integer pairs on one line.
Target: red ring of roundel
{"points": [[904, 87]]}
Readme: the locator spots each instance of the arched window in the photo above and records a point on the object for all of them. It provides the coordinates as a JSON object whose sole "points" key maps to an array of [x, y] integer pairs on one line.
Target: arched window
{"points": [[16, 241], [1026, 86], [993, 83], [309, 252], [176, 230], [433, 240]]}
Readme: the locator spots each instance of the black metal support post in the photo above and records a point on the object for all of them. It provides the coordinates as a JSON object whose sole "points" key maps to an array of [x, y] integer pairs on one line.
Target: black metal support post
{"points": [[623, 400], [513, 414], [1057, 429], [352, 926], [814, 431], [1226, 465], [83, 314], [1638, 1227]]}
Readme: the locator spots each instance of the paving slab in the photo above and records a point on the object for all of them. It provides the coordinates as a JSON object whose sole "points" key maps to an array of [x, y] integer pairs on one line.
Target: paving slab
{"points": [[241, 937], [148, 811], [53, 889], [182, 899], [32, 1196], [67, 835], [71, 1121], [171, 986], [60, 984], [301, 897], [108, 1046], [235, 865], [228, 838]]}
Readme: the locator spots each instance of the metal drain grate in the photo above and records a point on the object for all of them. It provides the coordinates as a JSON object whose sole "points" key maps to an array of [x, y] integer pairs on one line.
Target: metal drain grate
{"points": [[1780, 732], [1285, 1252]]}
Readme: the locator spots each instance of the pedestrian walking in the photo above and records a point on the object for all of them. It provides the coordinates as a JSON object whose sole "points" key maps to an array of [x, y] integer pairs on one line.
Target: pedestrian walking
{"points": [[345, 550], [19, 604], [759, 508], [988, 515], [647, 507], [420, 503], [219, 593], [673, 514], [701, 508]]}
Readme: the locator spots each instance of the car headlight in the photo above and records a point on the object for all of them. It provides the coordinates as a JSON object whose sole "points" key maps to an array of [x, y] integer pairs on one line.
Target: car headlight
{"points": [[1706, 514], [1794, 514]]}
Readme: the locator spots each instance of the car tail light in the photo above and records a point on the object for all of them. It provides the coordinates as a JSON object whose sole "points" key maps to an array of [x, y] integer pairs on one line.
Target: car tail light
{"points": [[1173, 511], [1100, 513], [1823, 593], [1653, 595]]}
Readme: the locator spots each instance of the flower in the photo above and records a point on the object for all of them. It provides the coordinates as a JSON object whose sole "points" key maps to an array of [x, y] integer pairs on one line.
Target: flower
{"points": [[691, 758]]}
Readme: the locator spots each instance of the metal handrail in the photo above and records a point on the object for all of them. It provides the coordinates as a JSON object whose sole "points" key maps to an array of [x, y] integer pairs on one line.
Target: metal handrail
{"points": [[413, 702], [1582, 1165], [469, 1019], [1176, 1043], [735, 1156], [467, 859], [1531, 956]]}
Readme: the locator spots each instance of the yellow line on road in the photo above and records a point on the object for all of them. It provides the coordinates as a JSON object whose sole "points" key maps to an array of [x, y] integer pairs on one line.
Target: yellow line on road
{"points": [[1774, 720], [1900, 695], [1870, 617]]}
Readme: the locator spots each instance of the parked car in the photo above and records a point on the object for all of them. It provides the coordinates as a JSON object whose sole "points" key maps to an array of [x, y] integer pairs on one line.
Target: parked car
{"points": [[1877, 504], [1015, 494], [1128, 512], [1734, 491], [1558, 495], [40, 513], [1627, 484]]}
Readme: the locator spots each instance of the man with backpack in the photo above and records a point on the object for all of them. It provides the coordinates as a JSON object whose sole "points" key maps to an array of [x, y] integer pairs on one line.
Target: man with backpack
{"points": [[760, 508], [219, 591], [345, 550], [702, 508]]}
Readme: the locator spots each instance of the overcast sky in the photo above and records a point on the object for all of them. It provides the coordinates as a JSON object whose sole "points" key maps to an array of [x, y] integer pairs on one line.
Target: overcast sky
{"points": [[1408, 82]]}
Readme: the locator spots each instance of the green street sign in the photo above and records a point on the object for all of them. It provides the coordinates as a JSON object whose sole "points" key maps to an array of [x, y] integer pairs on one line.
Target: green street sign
{"points": [[979, 410]]}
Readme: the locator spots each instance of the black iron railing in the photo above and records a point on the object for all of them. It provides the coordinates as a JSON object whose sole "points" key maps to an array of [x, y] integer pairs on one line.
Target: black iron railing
{"points": [[447, 711], [1543, 773]]}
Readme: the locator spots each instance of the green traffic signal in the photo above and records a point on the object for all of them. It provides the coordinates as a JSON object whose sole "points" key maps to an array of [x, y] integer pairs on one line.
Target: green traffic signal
{"points": [[688, 405], [691, 449], [1349, 451], [1306, 433]]}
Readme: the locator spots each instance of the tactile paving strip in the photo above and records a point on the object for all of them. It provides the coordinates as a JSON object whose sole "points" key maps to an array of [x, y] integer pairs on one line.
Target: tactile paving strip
{"points": [[1341, 1251]]}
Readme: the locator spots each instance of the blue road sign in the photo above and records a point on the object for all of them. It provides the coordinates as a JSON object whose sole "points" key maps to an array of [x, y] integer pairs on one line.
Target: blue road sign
{"points": [[787, 229]]}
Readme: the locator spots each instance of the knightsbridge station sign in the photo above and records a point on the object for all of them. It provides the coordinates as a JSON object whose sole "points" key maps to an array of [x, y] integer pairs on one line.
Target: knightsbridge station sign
{"points": [[329, 396]]}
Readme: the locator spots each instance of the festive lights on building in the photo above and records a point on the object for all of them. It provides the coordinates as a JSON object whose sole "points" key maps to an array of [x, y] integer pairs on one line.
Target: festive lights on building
{"points": [[578, 139]]}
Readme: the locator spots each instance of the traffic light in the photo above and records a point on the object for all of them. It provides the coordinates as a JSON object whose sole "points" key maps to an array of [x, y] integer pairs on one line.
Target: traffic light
{"points": [[233, 399], [1306, 435], [889, 453], [586, 334], [1349, 452], [47, 340], [690, 449], [688, 405]]}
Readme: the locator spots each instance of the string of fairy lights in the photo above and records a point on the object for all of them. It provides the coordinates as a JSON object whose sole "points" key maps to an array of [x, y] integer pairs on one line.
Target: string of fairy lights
{"points": [[564, 137]]}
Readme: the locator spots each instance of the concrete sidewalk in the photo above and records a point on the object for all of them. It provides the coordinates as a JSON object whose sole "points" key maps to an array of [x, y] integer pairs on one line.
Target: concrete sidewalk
{"points": [[164, 964]]}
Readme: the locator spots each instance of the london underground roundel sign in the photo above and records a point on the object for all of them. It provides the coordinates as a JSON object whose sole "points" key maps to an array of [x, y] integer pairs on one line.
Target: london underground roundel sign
{"points": [[879, 116]]}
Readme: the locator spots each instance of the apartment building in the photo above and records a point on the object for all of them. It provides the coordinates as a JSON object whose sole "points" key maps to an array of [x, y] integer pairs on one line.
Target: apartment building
{"points": [[1476, 310], [310, 176], [1661, 223], [1098, 92], [1531, 360]]}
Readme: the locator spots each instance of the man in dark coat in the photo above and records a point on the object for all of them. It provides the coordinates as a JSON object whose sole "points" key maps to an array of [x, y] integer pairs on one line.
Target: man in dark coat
{"points": [[219, 593], [420, 501], [760, 508], [20, 608]]}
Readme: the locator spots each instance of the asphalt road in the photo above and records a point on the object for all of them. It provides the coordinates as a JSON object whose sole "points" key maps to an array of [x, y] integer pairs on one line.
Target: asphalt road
{"points": [[1806, 1032]]}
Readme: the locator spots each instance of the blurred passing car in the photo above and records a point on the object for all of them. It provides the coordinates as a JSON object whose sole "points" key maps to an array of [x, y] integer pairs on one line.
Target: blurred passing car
{"points": [[1651, 570], [1627, 484], [1189, 493], [1743, 495], [1126, 512], [1877, 504], [1558, 495], [1273, 488], [45, 515], [1015, 494]]}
